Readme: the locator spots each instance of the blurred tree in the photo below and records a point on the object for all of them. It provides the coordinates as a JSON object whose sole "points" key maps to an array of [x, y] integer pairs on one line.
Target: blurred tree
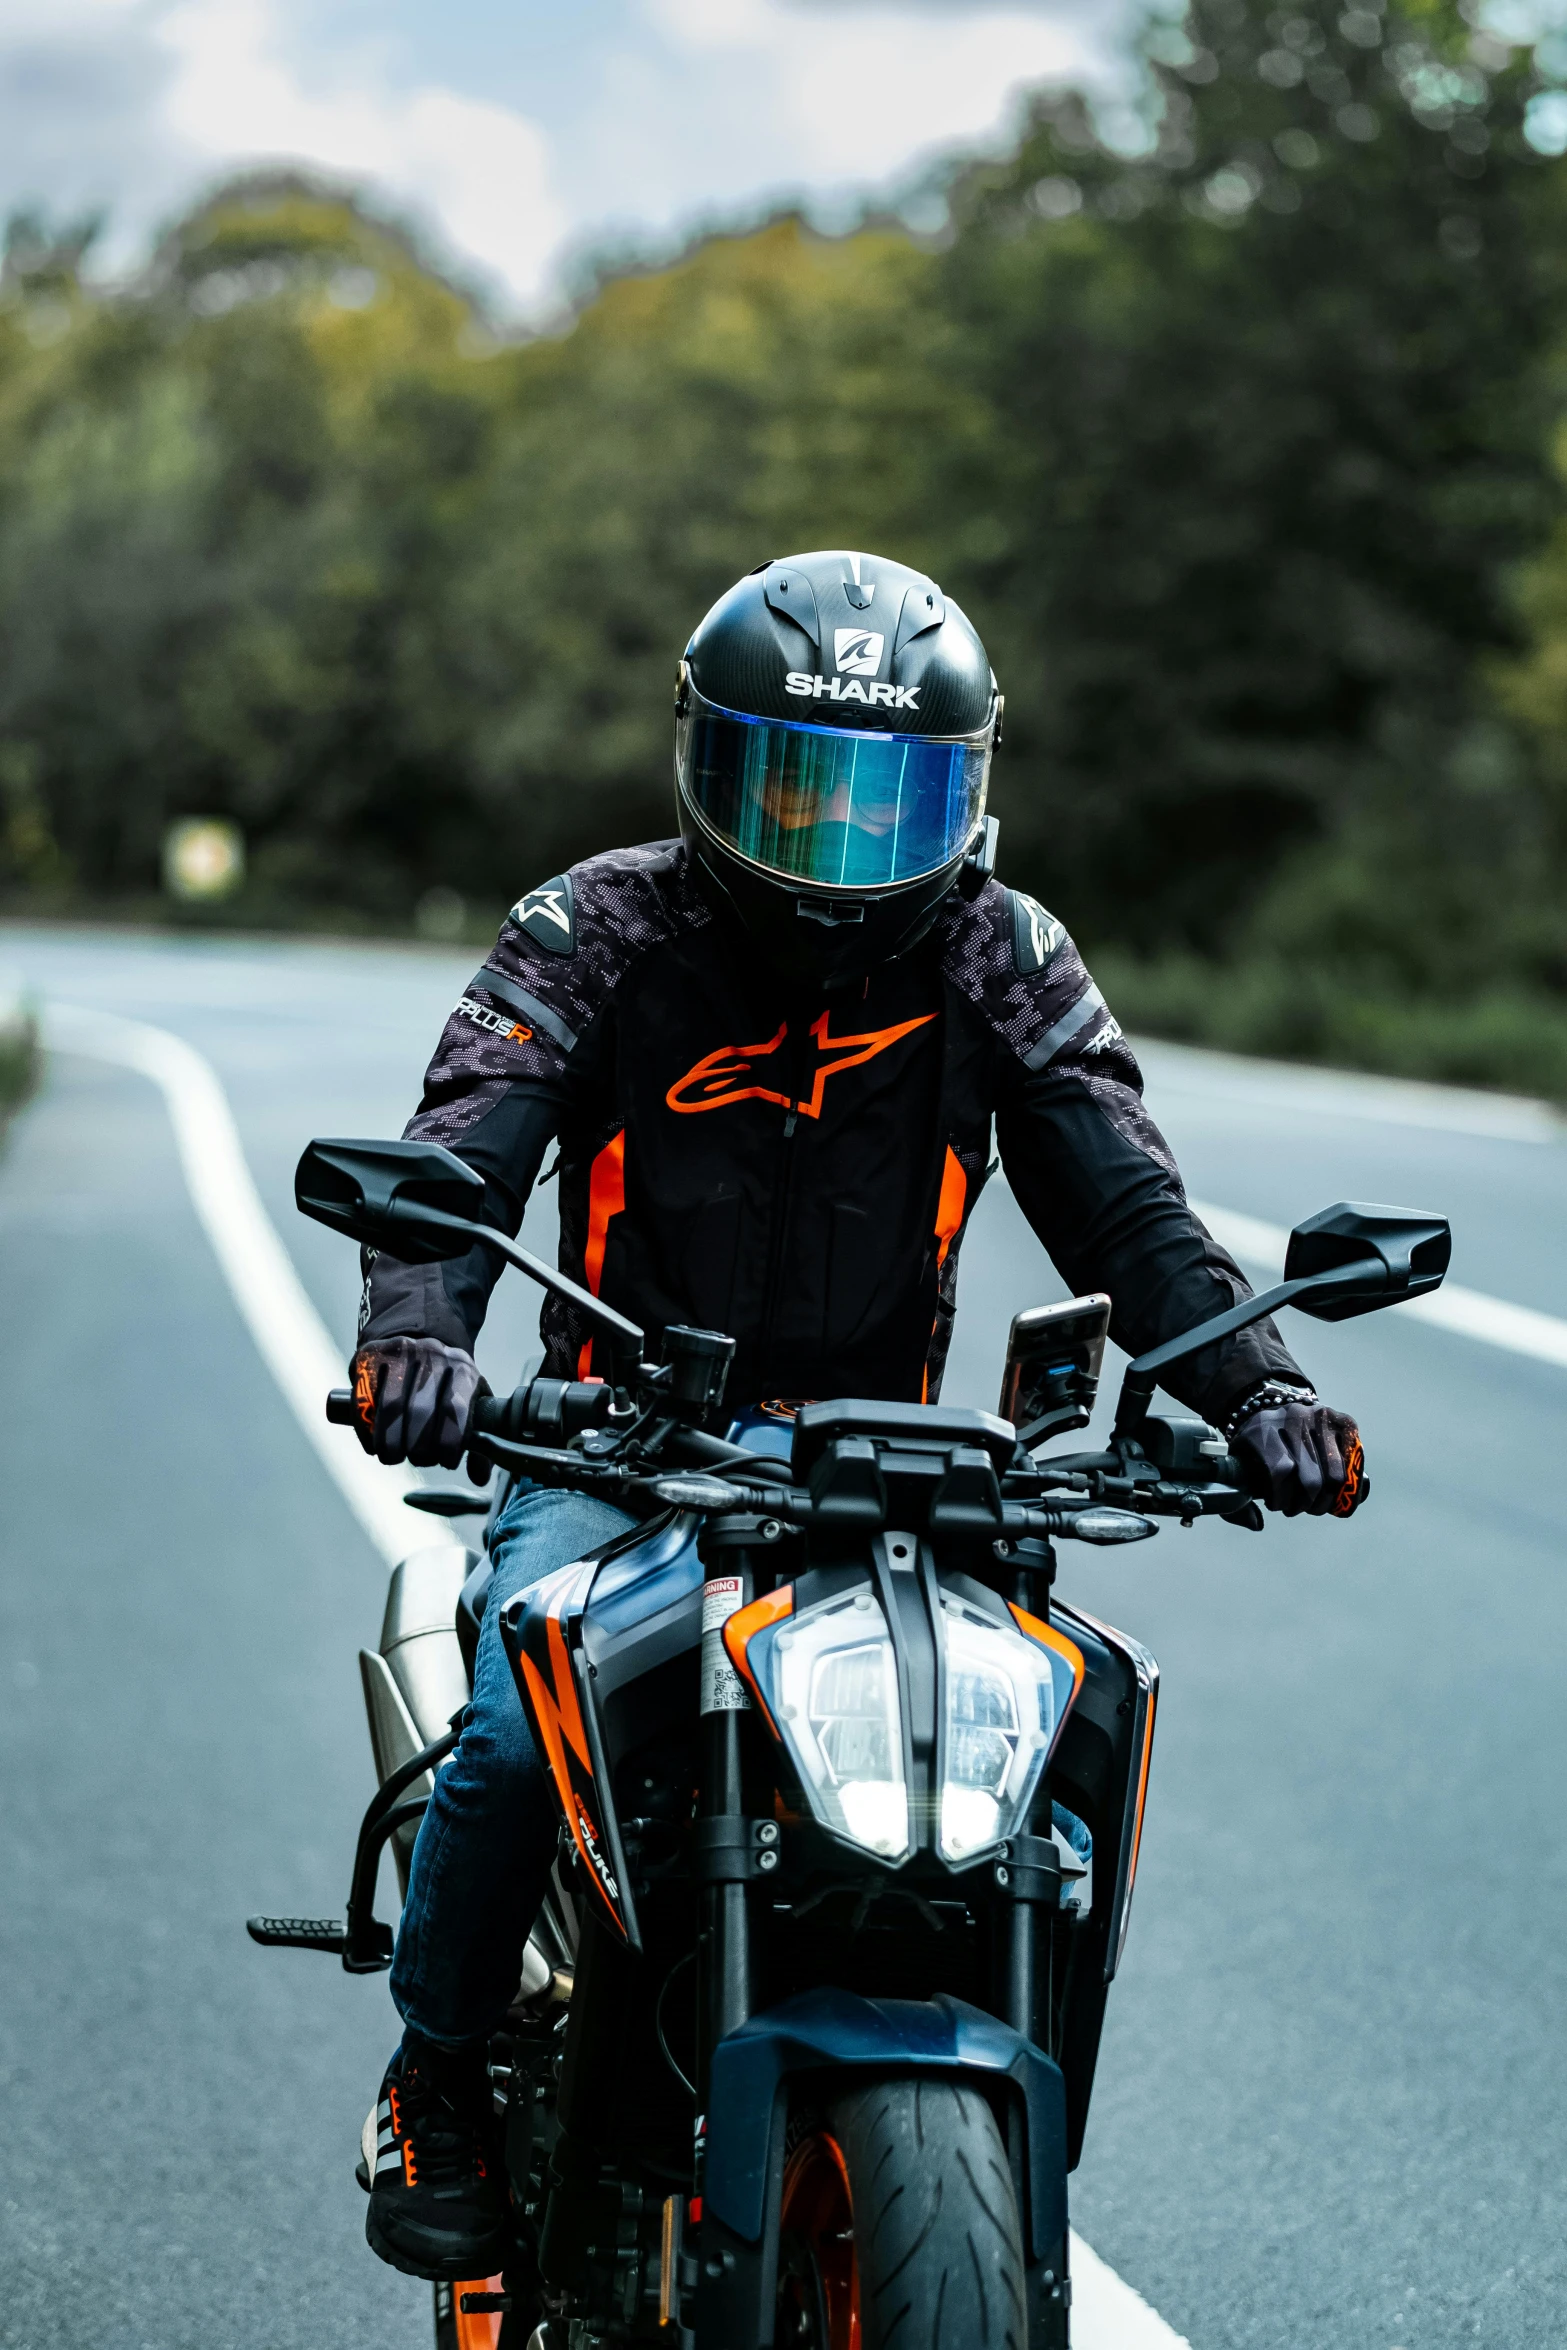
{"points": [[1270, 409], [769, 393], [201, 589], [405, 601], [1235, 447]]}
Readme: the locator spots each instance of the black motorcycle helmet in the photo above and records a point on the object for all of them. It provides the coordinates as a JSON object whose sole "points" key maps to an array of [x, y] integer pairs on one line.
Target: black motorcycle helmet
{"points": [[835, 718]]}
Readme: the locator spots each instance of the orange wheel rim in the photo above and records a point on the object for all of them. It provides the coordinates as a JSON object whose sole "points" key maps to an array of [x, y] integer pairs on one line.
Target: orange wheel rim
{"points": [[822, 2277]]}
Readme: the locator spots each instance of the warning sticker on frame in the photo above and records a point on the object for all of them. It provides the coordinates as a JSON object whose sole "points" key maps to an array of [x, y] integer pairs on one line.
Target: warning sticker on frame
{"points": [[723, 1691]]}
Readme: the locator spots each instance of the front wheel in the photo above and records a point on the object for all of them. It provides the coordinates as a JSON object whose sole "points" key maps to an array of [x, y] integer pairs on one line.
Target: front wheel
{"points": [[900, 2225]]}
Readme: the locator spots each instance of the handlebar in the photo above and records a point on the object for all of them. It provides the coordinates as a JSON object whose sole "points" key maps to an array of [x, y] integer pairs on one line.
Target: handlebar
{"points": [[548, 1409], [1090, 1497]]}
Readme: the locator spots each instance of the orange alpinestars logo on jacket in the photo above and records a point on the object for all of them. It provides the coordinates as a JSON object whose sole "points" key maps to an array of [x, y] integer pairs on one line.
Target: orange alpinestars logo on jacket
{"points": [[729, 1074]]}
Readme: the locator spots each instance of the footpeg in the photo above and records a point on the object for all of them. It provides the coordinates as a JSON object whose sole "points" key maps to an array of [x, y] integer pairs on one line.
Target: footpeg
{"points": [[361, 1940], [299, 1933], [365, 1950]]}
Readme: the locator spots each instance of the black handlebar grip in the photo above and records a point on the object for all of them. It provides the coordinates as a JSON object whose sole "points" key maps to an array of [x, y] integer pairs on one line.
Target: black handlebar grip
{"points": [[340, 1407]]}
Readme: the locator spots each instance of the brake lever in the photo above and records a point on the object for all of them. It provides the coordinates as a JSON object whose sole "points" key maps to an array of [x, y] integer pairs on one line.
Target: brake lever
{"points": [[1190, 1502], [547, 1466]]}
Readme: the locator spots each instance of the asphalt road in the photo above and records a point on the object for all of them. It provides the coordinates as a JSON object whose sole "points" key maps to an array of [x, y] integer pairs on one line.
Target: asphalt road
{"points": [[1332, 2106]]}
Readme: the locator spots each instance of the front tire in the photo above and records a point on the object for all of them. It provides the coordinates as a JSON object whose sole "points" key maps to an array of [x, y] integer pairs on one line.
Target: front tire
{"points": [[900, 2226]]}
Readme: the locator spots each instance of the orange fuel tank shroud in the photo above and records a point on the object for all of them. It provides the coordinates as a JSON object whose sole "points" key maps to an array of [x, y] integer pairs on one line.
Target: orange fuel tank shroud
{"points": [[1142, 1795], [557, 1721], [742, 1627], [1135, 1796], [1048, 1637]]}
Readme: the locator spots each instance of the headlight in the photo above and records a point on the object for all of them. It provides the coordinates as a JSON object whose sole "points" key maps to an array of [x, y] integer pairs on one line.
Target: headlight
{"points": [[1005, 1703], [834, 1694], [827, 1679]]}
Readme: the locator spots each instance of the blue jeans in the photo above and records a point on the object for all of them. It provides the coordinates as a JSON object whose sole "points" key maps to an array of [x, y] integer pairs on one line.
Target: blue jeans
{"points": [[489, 1832]]}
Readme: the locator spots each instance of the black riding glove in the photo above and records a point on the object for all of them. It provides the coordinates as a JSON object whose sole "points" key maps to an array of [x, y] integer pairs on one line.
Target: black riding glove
{"points": [[1298, 1455], [412, 1400]]}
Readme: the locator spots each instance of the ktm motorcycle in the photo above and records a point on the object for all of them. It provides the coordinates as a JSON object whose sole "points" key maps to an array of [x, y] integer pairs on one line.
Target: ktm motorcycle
{"points": [[850, 1809]]}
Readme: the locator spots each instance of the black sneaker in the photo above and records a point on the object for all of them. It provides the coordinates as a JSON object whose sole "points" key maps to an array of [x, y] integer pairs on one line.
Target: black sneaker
{"points": [[438, 2197]]}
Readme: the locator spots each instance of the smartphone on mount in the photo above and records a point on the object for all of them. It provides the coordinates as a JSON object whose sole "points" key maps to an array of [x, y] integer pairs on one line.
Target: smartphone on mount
{"points": [[1054, 1354]]}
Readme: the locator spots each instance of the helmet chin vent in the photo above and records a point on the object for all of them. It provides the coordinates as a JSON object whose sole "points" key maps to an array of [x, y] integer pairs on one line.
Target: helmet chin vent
{"points": [[832, 913]]}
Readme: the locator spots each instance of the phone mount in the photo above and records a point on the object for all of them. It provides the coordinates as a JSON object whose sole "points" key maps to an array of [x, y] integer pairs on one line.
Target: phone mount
{"points": [[1054, 1355]]}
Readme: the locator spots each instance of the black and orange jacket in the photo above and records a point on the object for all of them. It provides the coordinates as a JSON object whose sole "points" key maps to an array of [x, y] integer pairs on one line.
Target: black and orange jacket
{"points": [[800, 1173]]}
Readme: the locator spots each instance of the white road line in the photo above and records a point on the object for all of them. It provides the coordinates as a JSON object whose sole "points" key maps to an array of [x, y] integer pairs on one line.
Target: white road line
{"points": [[1350, 1093], [1107, 2314], [1467, 1312], [298, 1350], [290, 1335]]}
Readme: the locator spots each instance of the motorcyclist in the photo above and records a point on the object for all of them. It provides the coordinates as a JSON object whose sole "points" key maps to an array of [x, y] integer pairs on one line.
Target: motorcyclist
{"points": [[770, 1053]]}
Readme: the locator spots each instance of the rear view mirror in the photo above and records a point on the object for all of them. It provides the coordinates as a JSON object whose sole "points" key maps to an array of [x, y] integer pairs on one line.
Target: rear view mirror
{"points": [[378, 1193], [1052, 1371], [422, 1203], [1348, 1260], [1387, 1255]]}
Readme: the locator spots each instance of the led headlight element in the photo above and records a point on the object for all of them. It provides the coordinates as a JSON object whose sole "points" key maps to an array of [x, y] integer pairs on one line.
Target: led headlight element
{"points": [[1006, 1699], [832, 1688], [827, 1682]]}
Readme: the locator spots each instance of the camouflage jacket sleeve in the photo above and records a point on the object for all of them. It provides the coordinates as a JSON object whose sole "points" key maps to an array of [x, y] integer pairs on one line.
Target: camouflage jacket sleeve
{"points": [[521, 1056], [1088, 1166]]}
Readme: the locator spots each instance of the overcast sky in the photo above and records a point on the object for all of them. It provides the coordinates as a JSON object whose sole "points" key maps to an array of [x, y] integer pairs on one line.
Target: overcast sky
{"points": [[518, 130]]}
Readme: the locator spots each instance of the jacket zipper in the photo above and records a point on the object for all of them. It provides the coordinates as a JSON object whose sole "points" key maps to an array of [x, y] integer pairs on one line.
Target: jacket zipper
{"points": [[782, 1188]]}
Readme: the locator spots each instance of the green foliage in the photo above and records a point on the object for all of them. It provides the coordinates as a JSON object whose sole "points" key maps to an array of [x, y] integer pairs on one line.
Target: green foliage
{"points": [[19, 1058], [1500, 1032], [405, 603], [1240, 451], [1269, 421]]}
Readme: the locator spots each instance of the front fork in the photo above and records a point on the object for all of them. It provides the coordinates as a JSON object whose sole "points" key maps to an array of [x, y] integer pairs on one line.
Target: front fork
{"points": [[723, 1844], [730, 1850], [1028, 1883], [727, 1850]]}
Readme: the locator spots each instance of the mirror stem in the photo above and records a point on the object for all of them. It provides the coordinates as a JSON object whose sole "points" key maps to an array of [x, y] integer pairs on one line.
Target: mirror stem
{"points": [[486, 1236], [1142, 1375]]}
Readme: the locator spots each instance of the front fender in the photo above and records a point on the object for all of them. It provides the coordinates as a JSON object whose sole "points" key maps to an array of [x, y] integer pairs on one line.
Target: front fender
{"points": [[828, 2031], [821, 2031]]}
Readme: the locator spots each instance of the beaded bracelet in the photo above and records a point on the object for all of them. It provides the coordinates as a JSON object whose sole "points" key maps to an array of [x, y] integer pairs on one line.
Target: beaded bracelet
{"points": [[1270, 1396]]}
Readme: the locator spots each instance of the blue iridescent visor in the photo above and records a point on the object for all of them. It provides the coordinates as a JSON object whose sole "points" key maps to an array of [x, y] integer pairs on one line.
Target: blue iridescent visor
{"points": [[827, 805]]}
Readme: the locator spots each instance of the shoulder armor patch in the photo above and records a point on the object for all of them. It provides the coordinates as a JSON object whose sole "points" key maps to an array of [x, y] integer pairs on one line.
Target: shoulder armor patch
{"points": [[549, 916], [1035, 934]]}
